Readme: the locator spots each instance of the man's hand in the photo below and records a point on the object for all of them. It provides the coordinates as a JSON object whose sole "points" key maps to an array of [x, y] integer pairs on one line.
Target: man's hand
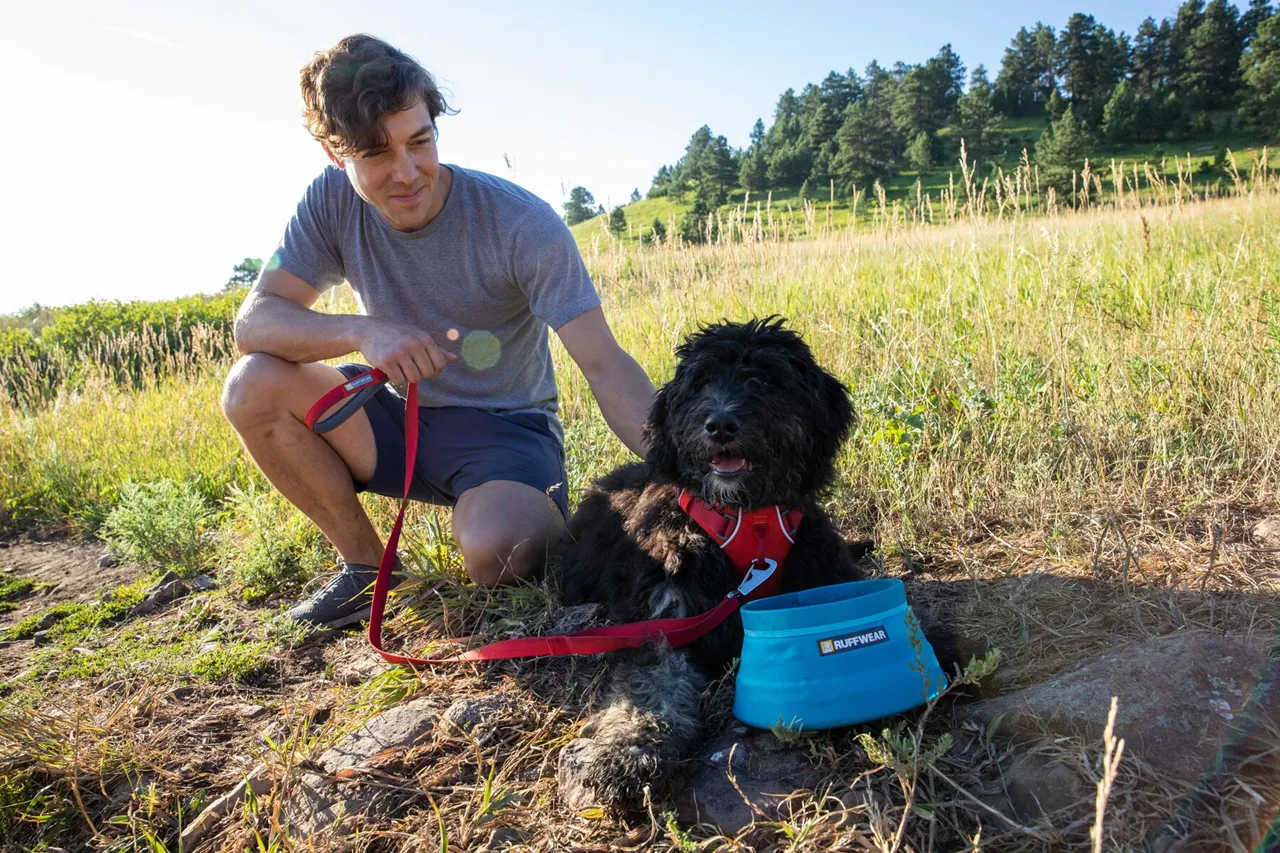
{"points": [[405, 353]]}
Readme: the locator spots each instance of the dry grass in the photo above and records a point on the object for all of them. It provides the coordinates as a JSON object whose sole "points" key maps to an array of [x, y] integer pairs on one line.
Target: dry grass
{"points": [[1066, 434]]}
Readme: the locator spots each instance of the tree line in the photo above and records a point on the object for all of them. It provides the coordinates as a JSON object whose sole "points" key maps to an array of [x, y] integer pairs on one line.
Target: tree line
{"points": [[1172, 80]]}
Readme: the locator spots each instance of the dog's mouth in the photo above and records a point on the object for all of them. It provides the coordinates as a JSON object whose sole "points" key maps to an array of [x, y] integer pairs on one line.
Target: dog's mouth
{"points": [[729, 466]]}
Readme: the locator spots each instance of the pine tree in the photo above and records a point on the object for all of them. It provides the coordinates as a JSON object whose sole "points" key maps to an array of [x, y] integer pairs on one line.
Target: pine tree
{"points": [[1261, 67], [1211, 60], [1120, 114], [1148, 61], [617, 222], [580, 207], [659, 232], [1062, 149], [1258, 11], [869, 144], [805, 193], [693, 226], [919, 153], [1056, 106], [977, 121], [635, 195]]}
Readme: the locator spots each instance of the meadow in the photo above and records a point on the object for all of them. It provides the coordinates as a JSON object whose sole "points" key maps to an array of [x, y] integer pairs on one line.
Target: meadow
{"points": [[1083, 390]]}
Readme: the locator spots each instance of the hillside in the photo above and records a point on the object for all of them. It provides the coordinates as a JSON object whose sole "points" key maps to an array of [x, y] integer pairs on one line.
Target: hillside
{"points": [[1022, 132]]}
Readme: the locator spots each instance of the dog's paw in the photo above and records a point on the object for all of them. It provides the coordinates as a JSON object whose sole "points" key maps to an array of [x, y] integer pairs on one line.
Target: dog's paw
{"points": [[602, 773]]}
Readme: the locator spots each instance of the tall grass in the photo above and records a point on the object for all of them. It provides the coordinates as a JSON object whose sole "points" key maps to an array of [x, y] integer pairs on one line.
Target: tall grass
{"points": [[1003, 368]]}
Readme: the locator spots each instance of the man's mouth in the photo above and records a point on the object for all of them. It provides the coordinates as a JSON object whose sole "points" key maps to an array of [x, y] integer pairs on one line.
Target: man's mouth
{"points": [[413, 196], [729, 466]]}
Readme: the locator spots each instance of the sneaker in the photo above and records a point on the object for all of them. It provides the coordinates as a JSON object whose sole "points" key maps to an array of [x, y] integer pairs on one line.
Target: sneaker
{"points": [[346, 599]]}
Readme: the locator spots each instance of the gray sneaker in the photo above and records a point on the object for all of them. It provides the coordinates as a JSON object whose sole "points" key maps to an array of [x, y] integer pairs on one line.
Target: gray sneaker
{"points": [[346, 599]]}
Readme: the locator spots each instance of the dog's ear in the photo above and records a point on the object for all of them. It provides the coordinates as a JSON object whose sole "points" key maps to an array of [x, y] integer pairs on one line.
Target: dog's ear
{"points": [[662, 456], [835, 413]]}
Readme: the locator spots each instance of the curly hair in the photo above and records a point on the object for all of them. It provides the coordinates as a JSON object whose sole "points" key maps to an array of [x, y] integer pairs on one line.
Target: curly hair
{"points": [[350, 88]]}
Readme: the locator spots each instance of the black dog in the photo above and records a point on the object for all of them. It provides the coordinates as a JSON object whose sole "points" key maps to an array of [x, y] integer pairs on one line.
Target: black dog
{"points": [[749, 420]]}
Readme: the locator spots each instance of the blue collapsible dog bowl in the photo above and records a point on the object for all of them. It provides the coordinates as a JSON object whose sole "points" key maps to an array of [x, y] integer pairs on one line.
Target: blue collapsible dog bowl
{"points": [[832, 656]]}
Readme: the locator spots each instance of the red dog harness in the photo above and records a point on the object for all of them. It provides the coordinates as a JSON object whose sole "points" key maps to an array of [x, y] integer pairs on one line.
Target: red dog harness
{"points": [[760, 567], [760, 537]]}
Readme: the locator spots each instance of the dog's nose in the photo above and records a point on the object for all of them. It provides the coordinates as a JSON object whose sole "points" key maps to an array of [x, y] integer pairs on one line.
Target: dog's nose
{"points": [[722, 426]]}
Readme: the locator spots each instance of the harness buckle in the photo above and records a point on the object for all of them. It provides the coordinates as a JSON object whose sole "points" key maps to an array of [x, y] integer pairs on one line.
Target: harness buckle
{"points": [[755, 576]]}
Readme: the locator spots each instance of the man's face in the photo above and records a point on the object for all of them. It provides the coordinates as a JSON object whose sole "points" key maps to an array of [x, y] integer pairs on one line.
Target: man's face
{"points": [[402, 181]]}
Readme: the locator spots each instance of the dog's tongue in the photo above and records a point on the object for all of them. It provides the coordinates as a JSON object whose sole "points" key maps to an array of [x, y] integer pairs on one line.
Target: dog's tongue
{"points": [[728, 464]]}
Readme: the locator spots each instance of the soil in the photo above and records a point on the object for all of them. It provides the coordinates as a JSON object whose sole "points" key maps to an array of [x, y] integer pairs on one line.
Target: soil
{"points": [[70, 569]]}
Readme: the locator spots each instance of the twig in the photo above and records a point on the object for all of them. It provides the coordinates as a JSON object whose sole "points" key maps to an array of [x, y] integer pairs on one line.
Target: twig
{"points": [[960, 789]]}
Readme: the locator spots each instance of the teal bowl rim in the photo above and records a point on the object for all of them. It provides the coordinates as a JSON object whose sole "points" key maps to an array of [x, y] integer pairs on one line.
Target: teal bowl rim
{"points": [[824, 605]]}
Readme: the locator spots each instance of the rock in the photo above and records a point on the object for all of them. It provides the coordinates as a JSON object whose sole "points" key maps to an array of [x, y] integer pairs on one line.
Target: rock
{"points": [[479, 714], [503, 838], [48, 620], [108, 561], [247, 710], [40, 638], [320, 801], [402, 726], [204, 583], [1178, 697], [1267, 532], [168, 578], [767, 770], [360, 669], [1037, 788], [8, 570], [257, 781], [169, 588]]}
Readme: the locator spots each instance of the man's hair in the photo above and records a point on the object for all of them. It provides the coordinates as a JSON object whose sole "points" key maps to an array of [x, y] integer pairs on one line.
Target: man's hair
{"points": [[349, 89]]}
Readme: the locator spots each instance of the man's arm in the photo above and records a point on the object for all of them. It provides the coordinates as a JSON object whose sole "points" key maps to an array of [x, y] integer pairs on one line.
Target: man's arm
{"points": [[276, 318], [619, 384]]}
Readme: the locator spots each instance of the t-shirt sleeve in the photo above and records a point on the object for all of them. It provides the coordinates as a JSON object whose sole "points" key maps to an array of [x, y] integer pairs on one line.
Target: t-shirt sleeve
{"points": [[309, 248], [548, 268]]}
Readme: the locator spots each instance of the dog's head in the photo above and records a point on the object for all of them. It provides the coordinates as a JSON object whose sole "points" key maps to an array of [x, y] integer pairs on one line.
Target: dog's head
{"points": [[749, 419]]}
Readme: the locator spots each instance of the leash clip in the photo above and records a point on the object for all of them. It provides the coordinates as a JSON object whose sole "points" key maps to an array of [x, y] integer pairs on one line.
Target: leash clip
{"points": [[755, 576]]}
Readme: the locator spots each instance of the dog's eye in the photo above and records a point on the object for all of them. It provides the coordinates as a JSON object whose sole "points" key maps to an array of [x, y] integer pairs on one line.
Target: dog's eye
{"points": [[755, 383]]}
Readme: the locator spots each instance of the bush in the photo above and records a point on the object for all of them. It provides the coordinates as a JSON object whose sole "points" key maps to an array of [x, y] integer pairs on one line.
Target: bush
{"points": [[270, 546], [164, 524]]}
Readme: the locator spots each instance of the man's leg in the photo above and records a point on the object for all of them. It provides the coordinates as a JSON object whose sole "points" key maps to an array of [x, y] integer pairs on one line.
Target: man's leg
{"points": [[506, 531], [266, 400]]}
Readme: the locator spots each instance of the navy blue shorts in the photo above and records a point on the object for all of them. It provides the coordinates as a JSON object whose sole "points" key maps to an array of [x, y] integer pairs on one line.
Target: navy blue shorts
{"points": [[459, 448]]}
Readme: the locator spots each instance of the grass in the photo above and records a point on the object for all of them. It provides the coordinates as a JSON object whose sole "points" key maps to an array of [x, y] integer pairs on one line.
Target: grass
{"points": [[1055, 415]]}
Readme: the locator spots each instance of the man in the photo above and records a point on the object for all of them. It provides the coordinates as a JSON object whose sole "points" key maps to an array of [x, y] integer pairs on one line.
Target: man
{"points": [[458, 275]]}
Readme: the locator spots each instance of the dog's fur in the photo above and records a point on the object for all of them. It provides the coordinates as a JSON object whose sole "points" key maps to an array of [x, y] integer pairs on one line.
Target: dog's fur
{"points": [[632, 548]]}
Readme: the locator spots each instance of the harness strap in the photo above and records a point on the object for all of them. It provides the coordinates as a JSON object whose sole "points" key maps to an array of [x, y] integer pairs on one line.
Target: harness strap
{"points": [[676, 632]]}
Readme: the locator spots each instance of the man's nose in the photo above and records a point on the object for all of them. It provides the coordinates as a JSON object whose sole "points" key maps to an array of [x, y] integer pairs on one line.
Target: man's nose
{"points": [[722, 425], [404, 170]]}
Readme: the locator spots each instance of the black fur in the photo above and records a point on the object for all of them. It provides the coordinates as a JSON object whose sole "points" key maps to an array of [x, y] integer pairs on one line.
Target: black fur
{"points": [[632, 548]]}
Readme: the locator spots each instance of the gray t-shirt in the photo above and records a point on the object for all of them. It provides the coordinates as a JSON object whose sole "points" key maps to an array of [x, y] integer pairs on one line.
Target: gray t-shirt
{"points": [[485, 278]]}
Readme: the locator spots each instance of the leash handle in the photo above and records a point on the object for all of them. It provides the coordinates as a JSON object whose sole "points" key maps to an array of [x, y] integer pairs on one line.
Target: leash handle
{"points": [[360, 388]]}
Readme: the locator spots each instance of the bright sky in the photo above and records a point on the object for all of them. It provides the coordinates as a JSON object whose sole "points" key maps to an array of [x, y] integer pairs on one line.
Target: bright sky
{"points": [[154, 145]]}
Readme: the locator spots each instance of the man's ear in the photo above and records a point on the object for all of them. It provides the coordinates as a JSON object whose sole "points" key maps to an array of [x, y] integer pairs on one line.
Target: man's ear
{"points": [[337, 161], [662, 456]]}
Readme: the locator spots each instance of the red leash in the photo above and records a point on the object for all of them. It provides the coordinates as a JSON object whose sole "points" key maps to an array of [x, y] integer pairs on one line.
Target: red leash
{"points": [[676, 632]]}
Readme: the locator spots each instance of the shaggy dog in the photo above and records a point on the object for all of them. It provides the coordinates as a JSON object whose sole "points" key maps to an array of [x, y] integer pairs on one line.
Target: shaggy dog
{"points": [[749, 420]]}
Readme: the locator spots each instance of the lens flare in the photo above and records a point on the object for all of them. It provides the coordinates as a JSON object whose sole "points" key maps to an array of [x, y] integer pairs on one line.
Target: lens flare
{"points": [[481, 350]]}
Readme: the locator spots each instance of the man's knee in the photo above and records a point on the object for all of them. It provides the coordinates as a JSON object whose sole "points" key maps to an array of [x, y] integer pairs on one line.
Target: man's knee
{"points": [[251, 391], [495, 556]]}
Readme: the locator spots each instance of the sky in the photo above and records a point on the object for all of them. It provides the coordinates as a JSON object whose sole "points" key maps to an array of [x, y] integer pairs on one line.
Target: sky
{"points": [[155, 145]]}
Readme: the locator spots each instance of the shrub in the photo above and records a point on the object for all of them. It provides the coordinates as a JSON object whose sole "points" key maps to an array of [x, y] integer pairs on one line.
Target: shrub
{"points": [[164, 524], [270, 546]]}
